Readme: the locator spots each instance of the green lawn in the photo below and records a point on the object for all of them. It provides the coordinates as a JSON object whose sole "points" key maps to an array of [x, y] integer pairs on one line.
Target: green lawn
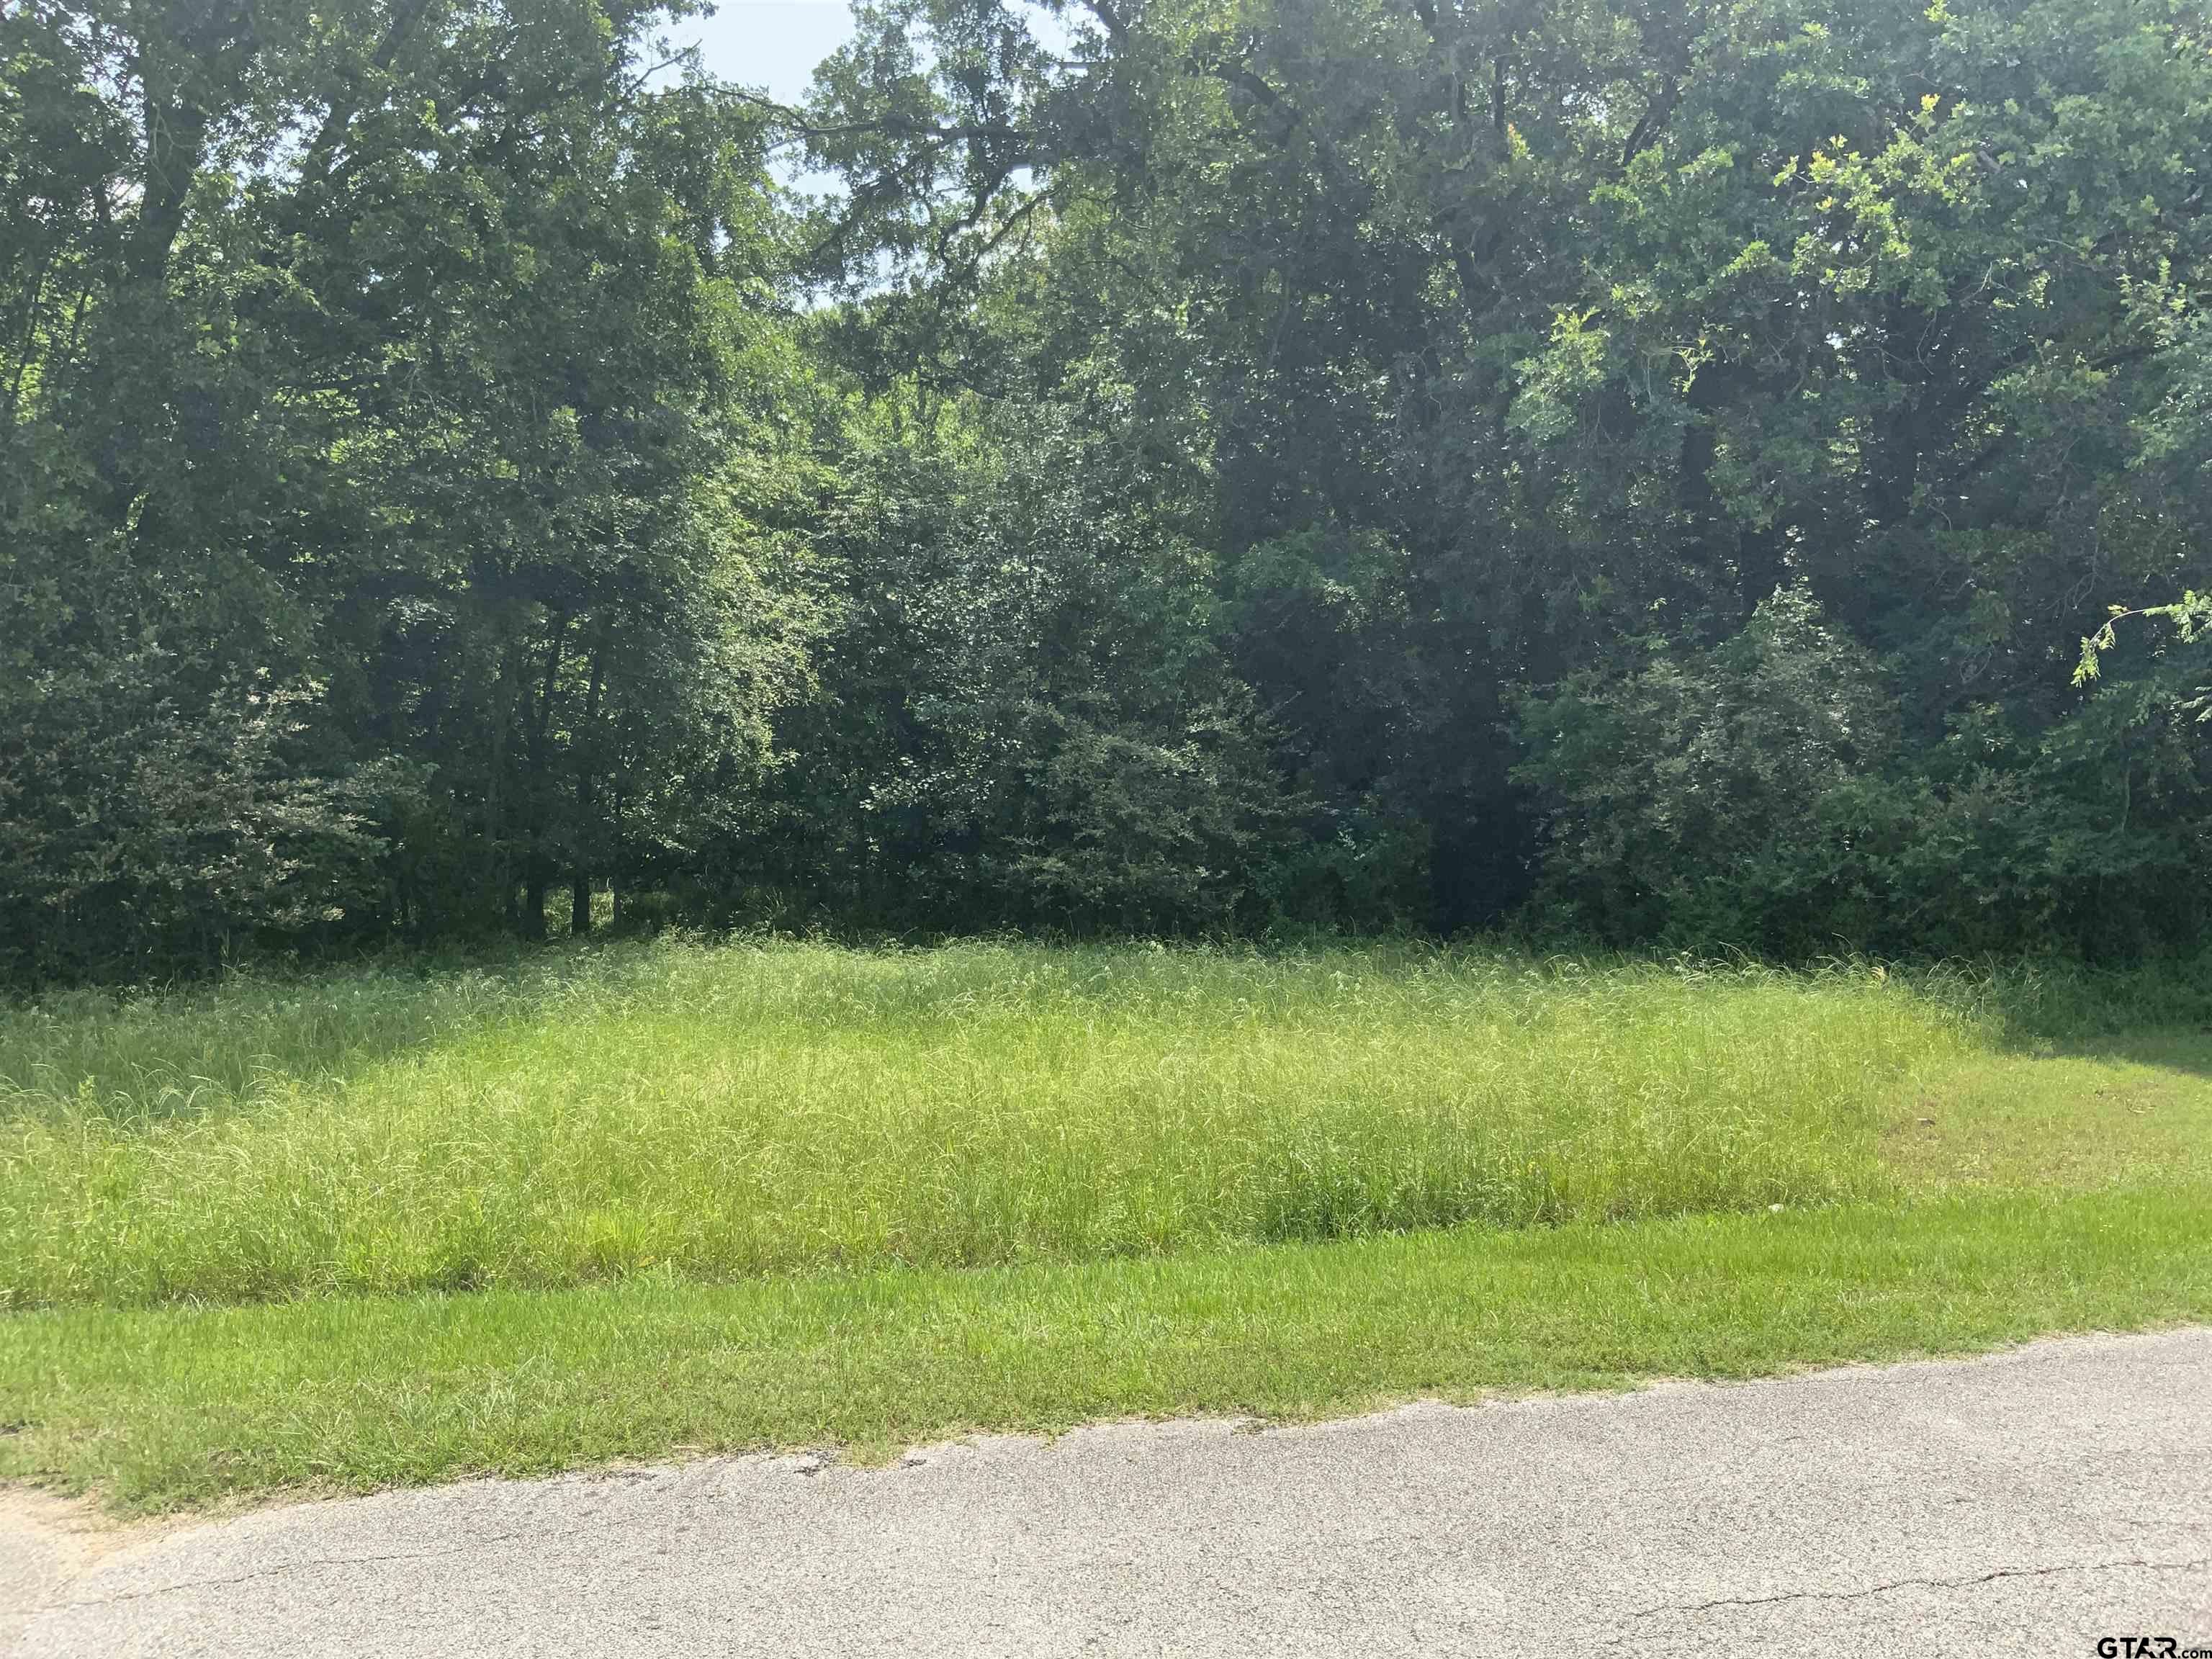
{"points": [[390, 1226]]}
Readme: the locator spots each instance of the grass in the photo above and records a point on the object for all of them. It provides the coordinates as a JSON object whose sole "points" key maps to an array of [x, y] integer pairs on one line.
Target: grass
{"points": [[730, 1112], [783, 1193], [171, 1407]]}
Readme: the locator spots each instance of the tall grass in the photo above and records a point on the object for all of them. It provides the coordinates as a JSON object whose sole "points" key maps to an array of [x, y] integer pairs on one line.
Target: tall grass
{"points": [[715, 1111]]}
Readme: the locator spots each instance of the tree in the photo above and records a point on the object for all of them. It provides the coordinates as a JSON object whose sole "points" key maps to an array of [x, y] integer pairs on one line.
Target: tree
{"points": [[1504, 341], [383, 364], [1377, 463]]}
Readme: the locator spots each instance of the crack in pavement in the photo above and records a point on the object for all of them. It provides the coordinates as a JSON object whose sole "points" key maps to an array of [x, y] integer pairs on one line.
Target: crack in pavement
{"points": [[283, 1567], [1883, 1588], [278, 1570], [1917, 1583], [491, 1542]]}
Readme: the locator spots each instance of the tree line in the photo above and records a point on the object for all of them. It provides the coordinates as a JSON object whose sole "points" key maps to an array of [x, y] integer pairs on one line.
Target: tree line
{"points": [[1637, 471]]}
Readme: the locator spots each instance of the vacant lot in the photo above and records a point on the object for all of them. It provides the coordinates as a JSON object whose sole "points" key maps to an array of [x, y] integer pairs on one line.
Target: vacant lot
{"points": [[733, 1195]]}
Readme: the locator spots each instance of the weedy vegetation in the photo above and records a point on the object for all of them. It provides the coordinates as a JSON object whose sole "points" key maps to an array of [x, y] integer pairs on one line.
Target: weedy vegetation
{"points": [[721, 1112]]}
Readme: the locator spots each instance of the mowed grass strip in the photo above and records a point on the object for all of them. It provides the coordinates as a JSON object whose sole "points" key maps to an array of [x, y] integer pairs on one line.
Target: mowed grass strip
{"points": [[172, 1408], [717, 1112]]}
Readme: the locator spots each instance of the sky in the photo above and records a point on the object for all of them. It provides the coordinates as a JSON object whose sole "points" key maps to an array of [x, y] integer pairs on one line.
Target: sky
{"points": [[772, 43]]}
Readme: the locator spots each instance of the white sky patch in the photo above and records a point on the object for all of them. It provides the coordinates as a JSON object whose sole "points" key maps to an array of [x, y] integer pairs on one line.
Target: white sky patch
{"points": [[772, 44]]}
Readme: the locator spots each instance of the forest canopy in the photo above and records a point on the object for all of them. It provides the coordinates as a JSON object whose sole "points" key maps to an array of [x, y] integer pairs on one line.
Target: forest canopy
{"points": [[1639, 471]]}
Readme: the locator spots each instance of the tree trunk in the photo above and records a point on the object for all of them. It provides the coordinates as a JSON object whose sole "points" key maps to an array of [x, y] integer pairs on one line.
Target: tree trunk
{"points": [[540, 864], [580, 902]]}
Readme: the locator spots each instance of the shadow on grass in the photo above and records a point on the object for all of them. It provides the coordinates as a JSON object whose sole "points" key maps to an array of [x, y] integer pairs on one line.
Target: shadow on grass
{"points": [[163, 1052], [2173, 1048], [2154, 1013]]}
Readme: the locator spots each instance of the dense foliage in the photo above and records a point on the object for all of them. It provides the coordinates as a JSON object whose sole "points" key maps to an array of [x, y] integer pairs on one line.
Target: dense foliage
{"points": [[1626, 467]]}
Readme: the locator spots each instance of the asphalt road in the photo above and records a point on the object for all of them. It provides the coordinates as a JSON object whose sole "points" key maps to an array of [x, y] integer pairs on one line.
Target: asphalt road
{"points": [[2031, 1502]]}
